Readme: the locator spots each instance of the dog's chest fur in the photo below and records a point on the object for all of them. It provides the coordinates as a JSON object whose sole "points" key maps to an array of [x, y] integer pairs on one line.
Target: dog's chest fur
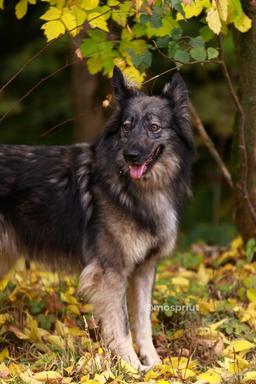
{"points": [[137, 243]]}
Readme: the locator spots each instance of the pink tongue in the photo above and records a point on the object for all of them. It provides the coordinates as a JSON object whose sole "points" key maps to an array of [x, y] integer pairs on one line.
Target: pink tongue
{"points": [[136, 171]]}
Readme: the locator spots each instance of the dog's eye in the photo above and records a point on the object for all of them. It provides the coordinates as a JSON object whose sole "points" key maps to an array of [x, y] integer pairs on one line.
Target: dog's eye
{"points": [[127, 126], [155, 128]]}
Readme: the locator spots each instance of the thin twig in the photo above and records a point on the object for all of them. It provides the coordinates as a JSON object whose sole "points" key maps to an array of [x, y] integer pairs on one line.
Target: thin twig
{"points": [[36, 86], [241, 134], [210, 145], [38, 53], [55, 127], [32, 58], [159, 75]]}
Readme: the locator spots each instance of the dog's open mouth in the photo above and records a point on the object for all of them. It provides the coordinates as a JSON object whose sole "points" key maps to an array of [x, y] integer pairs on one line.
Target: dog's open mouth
{"points": [[139, 170]]}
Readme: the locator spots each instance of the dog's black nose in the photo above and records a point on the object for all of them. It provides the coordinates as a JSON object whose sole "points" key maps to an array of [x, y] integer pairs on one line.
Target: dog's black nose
{"points": [[132, 155]]}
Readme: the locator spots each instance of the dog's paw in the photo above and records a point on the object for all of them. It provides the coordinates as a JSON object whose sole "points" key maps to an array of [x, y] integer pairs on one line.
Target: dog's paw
{"points": [[151, 360], [144, 368]]}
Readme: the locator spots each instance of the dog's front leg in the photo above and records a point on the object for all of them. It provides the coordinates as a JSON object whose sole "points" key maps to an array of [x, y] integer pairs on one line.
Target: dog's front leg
{"points": [[140, 296], [106, 290]]}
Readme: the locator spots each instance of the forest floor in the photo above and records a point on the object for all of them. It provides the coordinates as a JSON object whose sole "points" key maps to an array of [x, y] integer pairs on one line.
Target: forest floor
{"points": [[204, 322]]}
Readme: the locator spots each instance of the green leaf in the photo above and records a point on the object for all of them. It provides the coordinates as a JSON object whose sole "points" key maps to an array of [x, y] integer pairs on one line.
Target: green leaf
{"points": [[139, 30], [182, 56], [172, 48], [36, 307], [176, 4], [162, 42], [156, 18], [21, 9], [143, 61], [206, 33], [197, 42], [212, 53], [176, 33], [198, 54], [250, 249]]}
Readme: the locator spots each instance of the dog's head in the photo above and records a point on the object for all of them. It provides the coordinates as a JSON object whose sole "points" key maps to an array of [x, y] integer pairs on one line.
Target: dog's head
{"points": [[152, 134]]}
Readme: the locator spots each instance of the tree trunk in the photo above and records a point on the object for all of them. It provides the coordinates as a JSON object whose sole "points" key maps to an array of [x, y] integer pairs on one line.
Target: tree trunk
{"points": [[247, 71], [88, 92], [89, 119]]}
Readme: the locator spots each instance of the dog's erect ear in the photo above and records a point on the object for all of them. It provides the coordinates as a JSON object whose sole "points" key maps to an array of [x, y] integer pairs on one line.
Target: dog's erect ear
{"points": [[177, 92], [121, 89]]}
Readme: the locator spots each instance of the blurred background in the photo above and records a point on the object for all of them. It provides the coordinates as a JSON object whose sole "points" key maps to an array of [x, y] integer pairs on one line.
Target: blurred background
{"points": [[67, 107]]}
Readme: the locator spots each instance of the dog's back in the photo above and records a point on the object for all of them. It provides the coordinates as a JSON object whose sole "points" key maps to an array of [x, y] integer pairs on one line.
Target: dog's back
{"points": [[43, 209]]}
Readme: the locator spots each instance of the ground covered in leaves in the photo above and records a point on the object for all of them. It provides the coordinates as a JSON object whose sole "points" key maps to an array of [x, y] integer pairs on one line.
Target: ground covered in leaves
{"points": [[204, 322]]}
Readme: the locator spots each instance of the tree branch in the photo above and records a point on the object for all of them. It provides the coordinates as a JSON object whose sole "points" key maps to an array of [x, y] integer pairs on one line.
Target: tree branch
{"points": [[241, 133], [210, 145]]}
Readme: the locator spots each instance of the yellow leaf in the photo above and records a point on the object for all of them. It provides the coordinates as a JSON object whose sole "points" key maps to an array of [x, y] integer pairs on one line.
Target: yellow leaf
{"points": [[74, 309], [222, 6], [75, 331], [194, 8], [68, 298], [70, 22], [180, 282], [237, 243], [53, 29], [210, 377], [3, 283], [96, 20], [206, 306], [1, 4], [177, 334], [249, 376], [134, 77], [79, 15], [4, 317], [57, 341], [251, 294], [236, 346], [236, 365], [18, 333], [52, 14], [4, 355], [100, 351], [204, 274], [151, 375], [47, 375], [215, 326], [94, 64], [28, 379], [88, 5], [213, 20], [243, 24], [21, 9]]}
